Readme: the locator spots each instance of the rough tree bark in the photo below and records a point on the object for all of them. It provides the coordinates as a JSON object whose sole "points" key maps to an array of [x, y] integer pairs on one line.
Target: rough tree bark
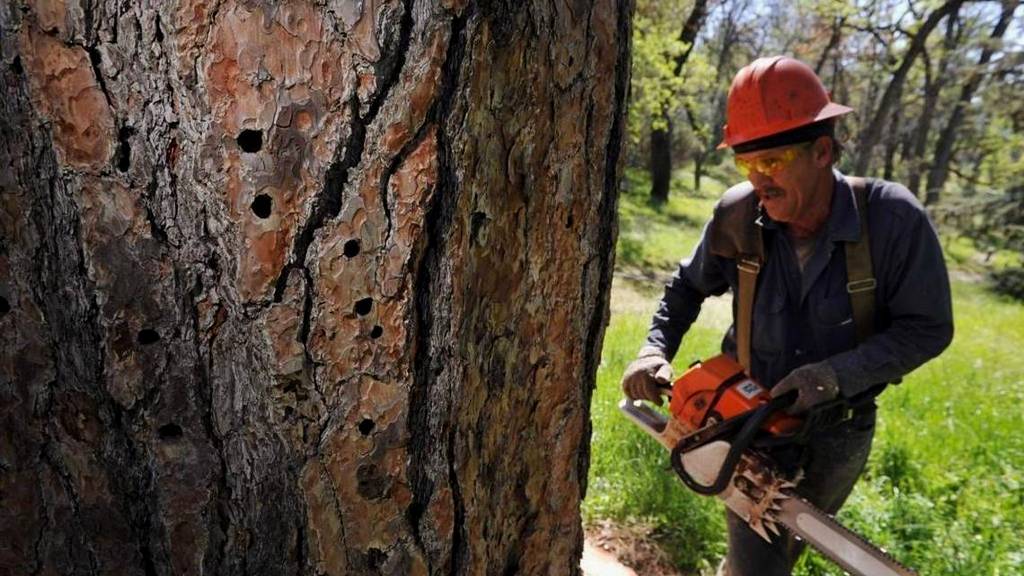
{"points": [[304, 287]]}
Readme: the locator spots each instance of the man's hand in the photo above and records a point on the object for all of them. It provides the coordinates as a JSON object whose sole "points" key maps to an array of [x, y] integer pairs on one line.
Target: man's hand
{"points": [[643, 375], [815, 384]]}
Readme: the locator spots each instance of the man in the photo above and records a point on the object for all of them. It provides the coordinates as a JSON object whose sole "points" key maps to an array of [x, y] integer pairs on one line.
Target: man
{"points": [[837, 312]]}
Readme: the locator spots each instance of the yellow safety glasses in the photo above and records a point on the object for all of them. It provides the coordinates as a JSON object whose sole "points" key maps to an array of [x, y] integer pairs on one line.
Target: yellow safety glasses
{"points": [[769, 164]]}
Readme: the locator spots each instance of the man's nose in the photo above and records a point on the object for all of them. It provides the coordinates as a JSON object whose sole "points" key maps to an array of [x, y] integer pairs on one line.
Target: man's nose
{"points": [[759, 180]]}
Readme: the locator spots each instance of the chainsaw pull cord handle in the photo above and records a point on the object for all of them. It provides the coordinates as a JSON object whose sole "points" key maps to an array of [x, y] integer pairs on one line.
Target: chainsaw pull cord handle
{"points": [[739, 445]]}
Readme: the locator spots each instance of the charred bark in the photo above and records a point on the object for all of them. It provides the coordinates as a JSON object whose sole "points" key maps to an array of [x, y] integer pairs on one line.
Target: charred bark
{"points": [[303, 288]]}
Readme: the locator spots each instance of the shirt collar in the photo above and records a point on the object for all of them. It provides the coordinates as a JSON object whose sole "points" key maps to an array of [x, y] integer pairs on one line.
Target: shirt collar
{"points": [[843, 223]]}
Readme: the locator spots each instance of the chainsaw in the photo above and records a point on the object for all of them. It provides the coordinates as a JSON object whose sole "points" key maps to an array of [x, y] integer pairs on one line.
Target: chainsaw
{"points": [[721, 423]]}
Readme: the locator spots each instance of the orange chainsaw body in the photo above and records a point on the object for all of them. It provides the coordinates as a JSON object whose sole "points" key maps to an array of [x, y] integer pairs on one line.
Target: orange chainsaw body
{"points": [[716, 390]]}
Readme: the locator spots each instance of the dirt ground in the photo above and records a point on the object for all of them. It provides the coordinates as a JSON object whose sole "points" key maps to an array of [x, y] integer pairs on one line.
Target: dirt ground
{"points": [[612, 550]]}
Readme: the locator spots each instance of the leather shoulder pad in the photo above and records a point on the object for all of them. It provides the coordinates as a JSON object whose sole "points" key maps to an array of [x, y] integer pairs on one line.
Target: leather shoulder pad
{"points": [[733, 231]]}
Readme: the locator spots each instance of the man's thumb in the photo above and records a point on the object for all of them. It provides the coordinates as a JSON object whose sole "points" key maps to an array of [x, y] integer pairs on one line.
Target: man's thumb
{"points": [[664, 374]]}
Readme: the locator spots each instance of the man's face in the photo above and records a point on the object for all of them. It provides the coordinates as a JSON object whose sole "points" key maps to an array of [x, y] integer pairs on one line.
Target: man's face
{"points": [[785, 180]]}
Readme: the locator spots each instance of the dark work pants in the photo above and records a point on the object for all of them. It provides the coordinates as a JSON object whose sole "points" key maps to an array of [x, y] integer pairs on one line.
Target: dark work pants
{"points": [[835, 458]]}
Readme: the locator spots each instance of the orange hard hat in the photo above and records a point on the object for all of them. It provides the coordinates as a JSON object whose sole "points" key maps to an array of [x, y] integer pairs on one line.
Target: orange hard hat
{"points": [[774, 95]]}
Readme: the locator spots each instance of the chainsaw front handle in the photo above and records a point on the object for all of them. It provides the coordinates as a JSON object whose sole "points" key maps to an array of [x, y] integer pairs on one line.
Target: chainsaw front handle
{"points": [[752, 422]]}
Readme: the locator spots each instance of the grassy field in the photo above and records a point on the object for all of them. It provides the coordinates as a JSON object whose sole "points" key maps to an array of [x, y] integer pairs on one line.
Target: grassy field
{"points": [[944, 489]]}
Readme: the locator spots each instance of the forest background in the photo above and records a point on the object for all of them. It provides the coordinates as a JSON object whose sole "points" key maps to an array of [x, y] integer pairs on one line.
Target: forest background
{"points": [[937, 88]]}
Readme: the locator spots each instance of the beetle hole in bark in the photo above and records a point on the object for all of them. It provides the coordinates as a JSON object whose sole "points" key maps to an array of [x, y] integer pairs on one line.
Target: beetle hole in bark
{"points": [[5, 306], [375, 558], [476, 222], [366, 426], [414, 512], [250, 141], [569, 221], [376, 332], [169, 431], [124, 149], [262, 205], [16, 66], [148, 336], [364, 306], [351, 248], [372, 484]]}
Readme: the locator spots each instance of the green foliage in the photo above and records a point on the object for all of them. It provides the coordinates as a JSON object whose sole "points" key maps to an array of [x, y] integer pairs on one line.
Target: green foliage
{"points": [[657, 92], [991, 225], [1009, 281]]}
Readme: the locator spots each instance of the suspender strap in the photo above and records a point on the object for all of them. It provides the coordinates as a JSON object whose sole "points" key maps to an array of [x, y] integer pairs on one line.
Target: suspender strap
{"points": [[735, 235], [747, 267], [860, 277]]}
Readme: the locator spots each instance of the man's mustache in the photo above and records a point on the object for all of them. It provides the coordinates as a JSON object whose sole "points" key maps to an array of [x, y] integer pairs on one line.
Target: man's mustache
{"points": [[771, 191]]}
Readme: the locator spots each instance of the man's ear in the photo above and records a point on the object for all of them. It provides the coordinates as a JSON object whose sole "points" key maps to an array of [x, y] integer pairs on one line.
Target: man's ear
{"points": [[822, 152]]}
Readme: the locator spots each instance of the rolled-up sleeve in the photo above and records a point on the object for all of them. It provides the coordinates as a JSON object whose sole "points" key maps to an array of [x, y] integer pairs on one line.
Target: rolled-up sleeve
{"points": [[914, 299], [697, 277]]}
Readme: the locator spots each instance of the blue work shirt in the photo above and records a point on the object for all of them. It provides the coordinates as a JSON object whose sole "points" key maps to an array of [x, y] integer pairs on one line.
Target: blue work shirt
{"points": [[803, 317]]}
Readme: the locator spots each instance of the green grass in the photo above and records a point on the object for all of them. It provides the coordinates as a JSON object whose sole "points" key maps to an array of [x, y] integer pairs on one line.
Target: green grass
{"points": [[962, 254], [944, 488], [629, 476], [656, 237]]}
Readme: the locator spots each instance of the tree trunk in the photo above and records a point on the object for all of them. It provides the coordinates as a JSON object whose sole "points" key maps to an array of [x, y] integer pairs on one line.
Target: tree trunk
{"points": [[939, 170], [932, 88], [661, 163], [872, 131], [661, 139], [835, 37], [730, 34], [315, 288], [698, 167], [892, 143]]}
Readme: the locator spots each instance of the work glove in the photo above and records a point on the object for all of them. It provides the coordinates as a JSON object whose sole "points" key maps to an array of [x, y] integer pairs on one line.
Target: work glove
{"points": [[814, 383], [643, 376]]}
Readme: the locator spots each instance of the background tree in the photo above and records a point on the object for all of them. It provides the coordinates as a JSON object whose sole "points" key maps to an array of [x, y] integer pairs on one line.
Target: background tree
{"points": [[934, 80], [664, 42], [706, 115], [939, 168], [872, 131], [661, 133], [303, 288]]}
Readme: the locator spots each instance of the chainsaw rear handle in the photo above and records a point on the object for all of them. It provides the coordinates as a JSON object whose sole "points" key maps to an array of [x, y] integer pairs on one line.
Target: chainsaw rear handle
{"points": [[738, 446]]}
